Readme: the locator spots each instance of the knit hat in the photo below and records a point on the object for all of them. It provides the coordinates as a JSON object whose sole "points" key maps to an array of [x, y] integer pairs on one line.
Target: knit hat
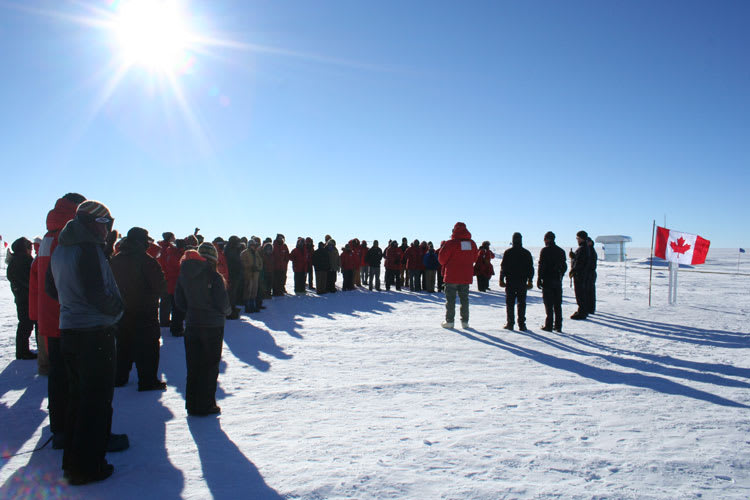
{"points": [[582, 234], [208, 252], [94, 210], [191, 241]]}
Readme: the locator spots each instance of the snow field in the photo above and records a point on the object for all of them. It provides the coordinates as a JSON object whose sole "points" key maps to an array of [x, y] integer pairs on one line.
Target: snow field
{"points": [[363, 395]]}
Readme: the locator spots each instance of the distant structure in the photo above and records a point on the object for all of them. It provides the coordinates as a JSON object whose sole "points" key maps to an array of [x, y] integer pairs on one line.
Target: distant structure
{"points": [[614, 246]]}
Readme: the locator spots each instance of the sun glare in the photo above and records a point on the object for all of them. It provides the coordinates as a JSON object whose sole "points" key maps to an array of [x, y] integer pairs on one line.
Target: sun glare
{"points": [[153, 34]]}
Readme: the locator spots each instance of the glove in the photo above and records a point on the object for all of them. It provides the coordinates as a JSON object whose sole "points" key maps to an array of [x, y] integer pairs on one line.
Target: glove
{"points": [[539, 284], [502, 283], [111, 237], [530, 284]]}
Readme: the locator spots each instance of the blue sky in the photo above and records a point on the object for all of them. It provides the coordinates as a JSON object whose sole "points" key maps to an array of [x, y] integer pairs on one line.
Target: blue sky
{"points": [[389, 119]]}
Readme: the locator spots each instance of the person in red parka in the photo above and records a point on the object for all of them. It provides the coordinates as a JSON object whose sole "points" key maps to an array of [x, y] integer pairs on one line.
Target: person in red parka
{"points": [[165, 303], [46, 312], [457, 257], [349, 261], [280, 265], [299, 260], [483, 268], [393, 257]]}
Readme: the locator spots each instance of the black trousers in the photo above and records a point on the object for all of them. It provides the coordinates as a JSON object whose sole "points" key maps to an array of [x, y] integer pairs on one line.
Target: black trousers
{"points": [[591, 293], [483, 283], [24, 329], [138, 341], [310, 273], [57, 386], [582, 299], [331, 281], [178, 318], [202, 356], [348, 280], [165, 309], [515, 295], [392, 277], [299, 282], [236, 287], [278, 282], [552, 296], [90, 365]]}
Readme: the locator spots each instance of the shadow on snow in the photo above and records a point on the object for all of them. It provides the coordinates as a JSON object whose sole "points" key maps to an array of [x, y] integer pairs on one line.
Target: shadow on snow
{"points": [[604, 375]]}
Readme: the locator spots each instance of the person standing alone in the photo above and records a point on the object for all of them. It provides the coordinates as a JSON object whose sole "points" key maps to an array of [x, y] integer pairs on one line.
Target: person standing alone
{"points": [[516, 275], [457, 257]]}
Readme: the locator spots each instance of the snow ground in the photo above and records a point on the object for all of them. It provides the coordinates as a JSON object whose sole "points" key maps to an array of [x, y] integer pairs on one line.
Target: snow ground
{"points": [[362, 395]]}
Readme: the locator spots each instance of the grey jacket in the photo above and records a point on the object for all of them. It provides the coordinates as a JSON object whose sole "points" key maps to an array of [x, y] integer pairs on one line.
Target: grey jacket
{"points": [[81, 280], [201, 293]]}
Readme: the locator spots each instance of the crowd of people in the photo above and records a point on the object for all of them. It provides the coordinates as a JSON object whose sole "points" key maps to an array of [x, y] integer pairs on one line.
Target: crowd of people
{"points": [[98, 302]]}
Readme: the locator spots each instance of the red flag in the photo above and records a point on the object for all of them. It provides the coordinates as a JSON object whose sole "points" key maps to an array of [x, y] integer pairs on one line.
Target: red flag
{"points": [[679, 247]]}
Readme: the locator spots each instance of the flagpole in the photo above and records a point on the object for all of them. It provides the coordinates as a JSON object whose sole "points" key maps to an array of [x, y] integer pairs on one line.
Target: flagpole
{"points": [[651, 262]]}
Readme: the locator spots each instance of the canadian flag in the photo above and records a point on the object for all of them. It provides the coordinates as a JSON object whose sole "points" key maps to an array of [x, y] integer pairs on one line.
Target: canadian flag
{"points": [[679, 247]]}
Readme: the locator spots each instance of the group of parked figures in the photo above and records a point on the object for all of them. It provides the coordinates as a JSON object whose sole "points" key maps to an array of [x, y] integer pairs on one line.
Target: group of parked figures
{"points": [[99, 303]]}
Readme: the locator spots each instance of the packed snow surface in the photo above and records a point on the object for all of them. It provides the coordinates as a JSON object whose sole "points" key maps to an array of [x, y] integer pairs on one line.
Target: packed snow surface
{"points": [[363, 395]]}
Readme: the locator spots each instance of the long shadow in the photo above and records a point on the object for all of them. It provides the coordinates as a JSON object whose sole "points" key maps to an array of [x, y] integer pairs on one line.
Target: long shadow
{"points": [[229, 474], [145, 469], [602, 375], [645, 366], [728, 370], [690, 334], [287, 313], [20, 421], [247, 341]]}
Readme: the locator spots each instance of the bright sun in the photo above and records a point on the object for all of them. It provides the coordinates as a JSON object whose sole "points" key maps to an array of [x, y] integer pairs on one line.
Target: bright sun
{"points": [[153, 34]]}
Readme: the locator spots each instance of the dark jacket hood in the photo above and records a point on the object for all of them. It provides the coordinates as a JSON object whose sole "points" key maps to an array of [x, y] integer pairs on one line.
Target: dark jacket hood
{"points": [[19, 246], [132, 247], [194, 267], [75, 233]]}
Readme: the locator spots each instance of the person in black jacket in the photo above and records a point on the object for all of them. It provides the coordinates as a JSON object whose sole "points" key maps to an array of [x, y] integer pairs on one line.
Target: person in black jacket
{"points": [[232, 251], [579, 271], [431, 265], [373, 258], [141, 282], [322, 263], [552, 267], [201, 293], [19, 269], [516, 275]]}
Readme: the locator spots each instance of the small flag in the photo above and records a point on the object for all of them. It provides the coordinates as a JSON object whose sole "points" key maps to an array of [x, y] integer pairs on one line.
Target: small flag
{"points": [[679, 247], [742, 250]]}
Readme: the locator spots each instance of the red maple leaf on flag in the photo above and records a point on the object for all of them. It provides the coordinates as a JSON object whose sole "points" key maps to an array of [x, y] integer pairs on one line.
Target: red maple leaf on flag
{"points": [[680, 247]]}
